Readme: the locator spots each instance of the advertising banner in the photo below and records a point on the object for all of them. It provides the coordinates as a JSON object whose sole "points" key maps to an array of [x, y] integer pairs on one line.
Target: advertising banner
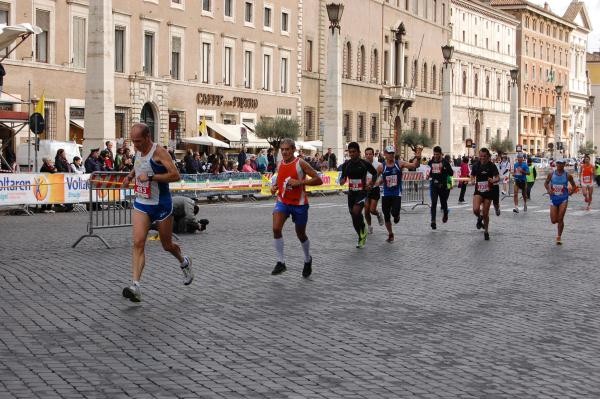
{"points": [[330, 183]]}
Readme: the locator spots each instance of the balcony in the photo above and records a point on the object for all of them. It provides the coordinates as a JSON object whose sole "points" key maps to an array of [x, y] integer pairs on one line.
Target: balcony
{"points": [[548, 111], [401, 93]]}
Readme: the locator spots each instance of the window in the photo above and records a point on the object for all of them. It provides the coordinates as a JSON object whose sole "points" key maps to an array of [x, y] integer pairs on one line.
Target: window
{"points": [[375, 66], [42, 40], [464, 82], [285, 17], [360, 70], [309, 122], [175, 57], [443, 14], [433, 79], [360, 126], [498, 89], [4, 14], [309, 55], [228, 8], [464, 133], [248, 12], [267, 17], [434, 10], [533, 72], [149, 53], [227, 66], [433, 131], [526, 47], [79, 42], [347, 63], [284, 75], [386, 70], [487, 87], [415, 71], [120, 49], [424, 81], [374, 123], [425, 127], [488, 133], [206, 5], [267, 72], [248, 69], [206, 69], [475, 85], [346, 125]]}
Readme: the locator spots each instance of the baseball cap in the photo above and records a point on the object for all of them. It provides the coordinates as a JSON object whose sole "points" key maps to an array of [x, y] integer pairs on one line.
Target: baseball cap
{"points": [[520, 155], [560, 160], [390, 149]]}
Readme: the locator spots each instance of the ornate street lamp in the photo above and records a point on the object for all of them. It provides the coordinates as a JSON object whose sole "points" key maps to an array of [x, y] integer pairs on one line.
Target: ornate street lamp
{"points": [[447, 134], [514, 74], [334, 12], [559, 90], [592, 99], [447, 52]]}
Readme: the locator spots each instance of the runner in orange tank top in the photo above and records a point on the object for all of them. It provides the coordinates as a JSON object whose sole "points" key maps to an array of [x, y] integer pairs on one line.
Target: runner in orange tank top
{"points": [[586, 180], [292, 200]]}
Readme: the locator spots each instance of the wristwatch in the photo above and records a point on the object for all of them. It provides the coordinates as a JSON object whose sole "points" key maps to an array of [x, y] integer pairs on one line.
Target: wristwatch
{"points": [[150, 177]]}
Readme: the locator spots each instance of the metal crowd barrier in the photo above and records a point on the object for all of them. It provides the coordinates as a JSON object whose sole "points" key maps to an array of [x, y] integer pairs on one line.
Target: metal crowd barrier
{"points": [[413, 189], [218, 185], [110, 204]]}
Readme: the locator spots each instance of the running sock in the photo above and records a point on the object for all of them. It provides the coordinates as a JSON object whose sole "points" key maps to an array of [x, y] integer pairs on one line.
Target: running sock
{"points": [[136, 283], [279, 249], [185, 262], [306, 250]]}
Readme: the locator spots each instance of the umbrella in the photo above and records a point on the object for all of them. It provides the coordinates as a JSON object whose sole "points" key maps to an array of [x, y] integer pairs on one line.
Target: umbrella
{"points": [[205, 140], [9, 33]]}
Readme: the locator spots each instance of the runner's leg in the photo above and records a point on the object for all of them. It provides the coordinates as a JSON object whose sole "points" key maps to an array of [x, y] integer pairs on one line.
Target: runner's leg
{"points": [[279, 219], [368, 211], [434, 194], [141, 225], [486, 214], [165, 231], [562, 209], [357, 218], [386, 208]]}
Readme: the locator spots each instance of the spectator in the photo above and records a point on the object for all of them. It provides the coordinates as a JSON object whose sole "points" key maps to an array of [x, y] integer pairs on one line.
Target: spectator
{"points": [[331, 159], [241, 159], [106, 161], [47, 167], [60, 161], [271, 161], [108, 149], [253, 162], [262, 162], [92, 163], [127, 160], [77, 167], [216, 167], [119, 159], [231, 167], [464, 173], [247, 168], [188, 160]]}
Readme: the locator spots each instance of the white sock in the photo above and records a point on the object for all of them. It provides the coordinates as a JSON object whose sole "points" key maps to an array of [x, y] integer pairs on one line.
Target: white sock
{"points": [[306, 249], [185, 262], [136, 283], [279, 249]]}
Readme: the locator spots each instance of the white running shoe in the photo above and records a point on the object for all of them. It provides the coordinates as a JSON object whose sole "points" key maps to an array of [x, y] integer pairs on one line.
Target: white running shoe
{"points": [[133, 293], [188, 274], [370, 229], [516, 210]]}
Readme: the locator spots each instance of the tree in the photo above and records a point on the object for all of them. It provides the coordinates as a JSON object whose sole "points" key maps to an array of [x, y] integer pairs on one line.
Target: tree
{"points": [[414, 139], [498, 145], [275, 130], [587, 148]]}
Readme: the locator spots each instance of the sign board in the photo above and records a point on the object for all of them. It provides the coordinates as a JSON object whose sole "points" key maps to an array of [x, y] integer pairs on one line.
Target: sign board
{"points": [[519, 148], [469, 143], [37, 123], [559, 145], [243, 135], [474, 145]]}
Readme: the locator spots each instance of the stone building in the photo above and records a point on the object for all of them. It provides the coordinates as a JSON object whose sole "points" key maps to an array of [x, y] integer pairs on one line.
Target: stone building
{"points": [[593, 66], [175, 62], [484, 40]]}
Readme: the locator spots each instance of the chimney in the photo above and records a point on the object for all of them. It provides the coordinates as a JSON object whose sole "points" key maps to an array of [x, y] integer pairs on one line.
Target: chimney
{"points": [[546, 6]]}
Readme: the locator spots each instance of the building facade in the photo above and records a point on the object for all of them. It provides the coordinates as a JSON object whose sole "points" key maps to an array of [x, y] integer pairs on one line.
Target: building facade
{"points": [[484, 41], [543, 52], [231, 62], [593, 67], [391, 68]]}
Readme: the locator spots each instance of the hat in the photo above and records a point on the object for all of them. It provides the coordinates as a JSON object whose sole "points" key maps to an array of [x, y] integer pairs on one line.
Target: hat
{"points": [[390, 149], [560, 160], [520, 155]]}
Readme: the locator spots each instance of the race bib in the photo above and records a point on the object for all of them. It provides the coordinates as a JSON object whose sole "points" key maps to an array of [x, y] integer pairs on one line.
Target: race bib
{"points": [[518, 172], [558, 189], [436, 168], [483, 186], [142, 189], [391, 181], [587, 179], [355, 184], [369, 178]]}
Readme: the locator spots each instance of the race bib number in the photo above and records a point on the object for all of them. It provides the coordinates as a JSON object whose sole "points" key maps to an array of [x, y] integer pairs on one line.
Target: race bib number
{"points": [[355, 184], [587, 179], [518, 172], [391, 181], [436, 168], [142, 189], [558, 189], [369, 178], [483, 186]]}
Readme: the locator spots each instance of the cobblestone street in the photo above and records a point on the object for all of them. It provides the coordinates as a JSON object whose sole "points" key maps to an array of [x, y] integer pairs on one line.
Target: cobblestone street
{"points": [[436, 314]]}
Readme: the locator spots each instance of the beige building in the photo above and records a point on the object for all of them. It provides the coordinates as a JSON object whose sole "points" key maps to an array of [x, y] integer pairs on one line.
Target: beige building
{"points": [[391, 68], [175, 62]]}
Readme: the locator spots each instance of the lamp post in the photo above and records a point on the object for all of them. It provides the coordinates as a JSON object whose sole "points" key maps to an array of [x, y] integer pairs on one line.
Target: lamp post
{"points": [[513, 124], [591, 121], [447, 136], [558, 120], [333, 137]]}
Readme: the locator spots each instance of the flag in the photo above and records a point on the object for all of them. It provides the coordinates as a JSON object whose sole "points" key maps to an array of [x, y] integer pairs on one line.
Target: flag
{"points": [[202, 127], [39, 107]]}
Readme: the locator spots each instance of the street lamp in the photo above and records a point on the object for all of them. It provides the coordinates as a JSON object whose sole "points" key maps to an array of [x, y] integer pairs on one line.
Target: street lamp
{"points": [[558, 90], [514, 74], [447, 52], [334, 12], [513, 123], [558, 121], [447, 136]]}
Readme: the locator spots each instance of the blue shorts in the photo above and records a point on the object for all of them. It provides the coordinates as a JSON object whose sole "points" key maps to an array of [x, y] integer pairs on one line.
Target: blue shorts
{"points": [[558, 201], [156, 213], [299, 212]]}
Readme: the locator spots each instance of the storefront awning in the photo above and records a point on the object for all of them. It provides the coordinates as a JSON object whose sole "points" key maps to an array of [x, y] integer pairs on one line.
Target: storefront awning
{"points": [[223, 130], [233, 133], [79, 123], [9, 34], [205, 140]]}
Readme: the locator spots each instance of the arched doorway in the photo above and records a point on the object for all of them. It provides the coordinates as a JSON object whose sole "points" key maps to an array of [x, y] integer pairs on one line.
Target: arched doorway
{"points": [[147, 116], [477, 134]]}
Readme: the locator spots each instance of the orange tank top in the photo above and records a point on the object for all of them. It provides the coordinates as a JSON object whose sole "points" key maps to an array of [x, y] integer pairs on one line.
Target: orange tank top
{"points": [[587, 174], [291, 195]]}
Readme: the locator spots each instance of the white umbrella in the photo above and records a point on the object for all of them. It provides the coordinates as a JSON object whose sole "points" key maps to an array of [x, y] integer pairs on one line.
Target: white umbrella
{"points": [[205, 140], [305, 145], [9, 33]]}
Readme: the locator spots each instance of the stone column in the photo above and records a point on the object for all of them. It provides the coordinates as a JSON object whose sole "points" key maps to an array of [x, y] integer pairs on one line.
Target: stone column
{"points": [[513, 125], [333, 97], [557, 126], [401, 63], [100, 82], [446, 128]]}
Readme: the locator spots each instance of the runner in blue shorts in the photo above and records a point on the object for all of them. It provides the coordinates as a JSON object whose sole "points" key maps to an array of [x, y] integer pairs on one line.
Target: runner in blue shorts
{"points": [[153, 171], [560, 185]]}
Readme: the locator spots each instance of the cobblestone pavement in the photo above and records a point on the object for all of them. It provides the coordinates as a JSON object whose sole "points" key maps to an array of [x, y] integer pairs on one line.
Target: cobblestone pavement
{"points": [[436, 314]]}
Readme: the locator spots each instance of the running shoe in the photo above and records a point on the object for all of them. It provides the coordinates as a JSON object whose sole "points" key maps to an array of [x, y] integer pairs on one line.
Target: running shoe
{"points": [[279, 268], [445, 217], [524, 207], [390, 238], [433, 226], [370, 229], [486, 236], [498, 211], [307, 271], [133, 293], [362, 239], [188, 274], [380, 218], [558, 241], [479, 224], [516, 210], [396, 219]]}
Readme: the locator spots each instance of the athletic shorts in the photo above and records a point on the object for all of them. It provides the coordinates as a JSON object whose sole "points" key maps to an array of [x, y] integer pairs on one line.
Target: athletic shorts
{"points": [[356, 197], [374, 193], [390, 206], [488, 195], [521, 184], [587, 185], [156, 213], [558, 201], [299, 213]]}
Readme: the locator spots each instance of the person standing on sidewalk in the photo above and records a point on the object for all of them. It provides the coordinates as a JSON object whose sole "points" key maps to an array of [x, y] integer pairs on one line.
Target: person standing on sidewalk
{"points": [[153, 171], [465, 172], [520, 171], [292, 201], [438, 184]]}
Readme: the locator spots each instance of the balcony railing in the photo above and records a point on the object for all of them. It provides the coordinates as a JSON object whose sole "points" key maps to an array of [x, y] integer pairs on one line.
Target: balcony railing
{"points": [[402, 93]]}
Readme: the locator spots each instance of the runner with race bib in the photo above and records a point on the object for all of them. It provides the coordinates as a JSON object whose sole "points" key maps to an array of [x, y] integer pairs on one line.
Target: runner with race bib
{"points": [[559, 185], [586, 179], [484, 175]]}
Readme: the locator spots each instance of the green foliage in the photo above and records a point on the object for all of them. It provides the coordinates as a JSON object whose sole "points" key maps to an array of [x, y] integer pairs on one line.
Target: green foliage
{"points": [[275, 130], [498, 145], [413, 139], [587, 148]]}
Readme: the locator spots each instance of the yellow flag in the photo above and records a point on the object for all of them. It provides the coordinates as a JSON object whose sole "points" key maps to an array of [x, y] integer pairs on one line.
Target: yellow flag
{"points": [[39, 107], [202, 127]]}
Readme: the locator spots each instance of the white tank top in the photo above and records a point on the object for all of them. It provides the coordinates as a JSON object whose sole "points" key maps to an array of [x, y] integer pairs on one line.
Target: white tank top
{"points": [[147, 193]]}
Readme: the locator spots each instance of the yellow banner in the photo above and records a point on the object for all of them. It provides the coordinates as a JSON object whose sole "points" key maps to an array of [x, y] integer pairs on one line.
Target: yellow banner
{"points": [[329, 183]]}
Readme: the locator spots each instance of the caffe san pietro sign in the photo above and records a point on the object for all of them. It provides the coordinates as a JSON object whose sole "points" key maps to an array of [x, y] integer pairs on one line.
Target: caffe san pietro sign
{"points": [[220, 101]]}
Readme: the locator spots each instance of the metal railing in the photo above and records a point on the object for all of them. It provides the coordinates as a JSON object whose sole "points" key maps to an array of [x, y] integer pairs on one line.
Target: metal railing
{"points": [[413, 190]]}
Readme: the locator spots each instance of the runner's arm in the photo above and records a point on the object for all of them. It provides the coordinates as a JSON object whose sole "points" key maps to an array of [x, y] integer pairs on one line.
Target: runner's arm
{"points": [[547, 183], [130, 176], [314, 180], [371, 169], [573, 185], [164, 158], [379, 177], [416, 162]]}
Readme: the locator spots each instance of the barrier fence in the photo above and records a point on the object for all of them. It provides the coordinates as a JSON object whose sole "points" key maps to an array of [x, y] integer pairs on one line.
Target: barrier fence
{"points": [[413, 189]]}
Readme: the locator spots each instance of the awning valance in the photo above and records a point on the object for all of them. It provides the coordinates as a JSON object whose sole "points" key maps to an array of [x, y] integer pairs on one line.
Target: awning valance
{"points": [[205, 140]]}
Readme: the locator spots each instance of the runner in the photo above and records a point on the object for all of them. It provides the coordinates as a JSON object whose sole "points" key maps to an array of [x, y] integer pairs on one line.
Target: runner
{"points": [[153, 171], [531, 176], [586, 179], [557, 186], [438, 184], [484, 174], [292, 200], [520, 172], [355, 170], [374, 193], [504, 170], [391, 178]]}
